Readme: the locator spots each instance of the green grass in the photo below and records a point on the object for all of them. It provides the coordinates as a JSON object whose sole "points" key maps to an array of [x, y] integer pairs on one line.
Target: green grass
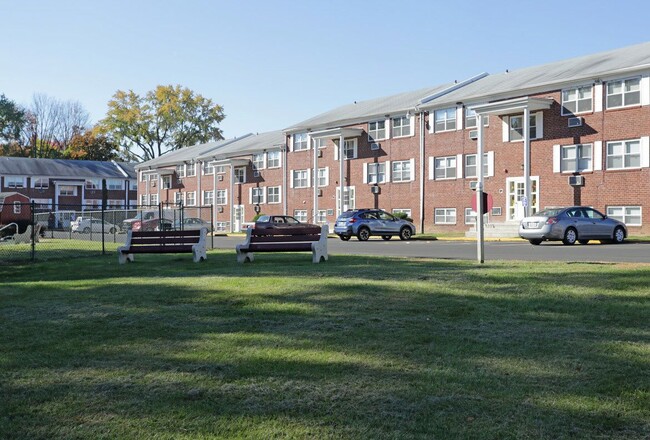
{"points": [[357, 347]]}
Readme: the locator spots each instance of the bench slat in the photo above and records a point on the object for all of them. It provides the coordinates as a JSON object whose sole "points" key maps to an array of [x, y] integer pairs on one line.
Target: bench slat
{"points": [[163, 241], [304, 230], [283, 238], [278, 247], [170, 234], [158, 249]]}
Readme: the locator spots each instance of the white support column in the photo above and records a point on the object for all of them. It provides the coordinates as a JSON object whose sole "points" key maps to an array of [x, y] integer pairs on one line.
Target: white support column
{"points": [[232, 197], [341, 177], [527, 200], [312, 145], [480, 240], [421, 181]]}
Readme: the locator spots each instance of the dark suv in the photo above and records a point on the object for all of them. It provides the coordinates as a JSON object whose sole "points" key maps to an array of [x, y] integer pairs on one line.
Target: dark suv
{"points": [[366, 222]]}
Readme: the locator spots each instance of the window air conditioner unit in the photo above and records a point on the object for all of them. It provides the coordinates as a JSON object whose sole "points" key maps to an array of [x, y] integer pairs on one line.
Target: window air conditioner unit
{"points": [[375, 189], [179, 181], [320, 153], [153, 183], [473, 134], [219, 177], [219, 208], [374, 146], [256, 174], [575, 122], [473, 184], [576, 180], [320, 193]]}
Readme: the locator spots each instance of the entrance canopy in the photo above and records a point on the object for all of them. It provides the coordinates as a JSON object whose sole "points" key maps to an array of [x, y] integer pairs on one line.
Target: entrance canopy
{"points": [[510, 106], [335, 133]]}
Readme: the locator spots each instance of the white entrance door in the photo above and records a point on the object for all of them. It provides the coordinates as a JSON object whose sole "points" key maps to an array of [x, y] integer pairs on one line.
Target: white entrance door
{"points": [[348, 199], [516, 197], [238, 217]]}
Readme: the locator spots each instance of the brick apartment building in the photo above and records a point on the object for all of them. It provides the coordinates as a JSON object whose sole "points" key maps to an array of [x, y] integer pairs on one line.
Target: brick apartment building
{"points": [[570, 132], [56, 184]]}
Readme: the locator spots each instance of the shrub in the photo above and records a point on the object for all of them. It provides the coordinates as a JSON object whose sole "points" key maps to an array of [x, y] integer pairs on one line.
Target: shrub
{"points": [[403, 216]]}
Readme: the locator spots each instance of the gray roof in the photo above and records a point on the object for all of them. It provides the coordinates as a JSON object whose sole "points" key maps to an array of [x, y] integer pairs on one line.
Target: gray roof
{"points": [[542, 78], [26, 166], [363, 111], [249, 145], [186, 154]]}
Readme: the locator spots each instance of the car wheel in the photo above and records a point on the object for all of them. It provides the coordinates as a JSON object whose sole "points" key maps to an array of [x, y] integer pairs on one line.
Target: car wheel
{"points": [[363, 234], [387, 237], [344, 237], [570, 237], [86, 230], [619, 235], [583, 241], [535, 242], [112, 231], [405, 233]]}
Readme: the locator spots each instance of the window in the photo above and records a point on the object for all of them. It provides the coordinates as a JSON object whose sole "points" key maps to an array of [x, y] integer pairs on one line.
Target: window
{"points": [[323, 176], [273, 159], [623, 154], [166, 182], [322, 216], [257, 195], [208, 169], [144, 199], [67, 190], [273, 194], [300, 215], [40, 182], [445, 167], [445, 216], [401, 171], [222, 198], [114, 184], [222, 226], [349, 149], [14, 182], [470, 165], [220, 169], [114, 203], [258, 161], [133, 185], [321, 143], [576, 100], [300, 178], [143, 176], [401, 126], [376, 173], [180, 171], [623, 93], [403, 210], [471, 118], [516, 126], [18, 207], [630, 215], [445, 119], [376, 130], [153, 199], [470, 216], [208, 197], [190, 170], [179, 198], [576, 158], [93, 184], [240, 175], [300, 142]]}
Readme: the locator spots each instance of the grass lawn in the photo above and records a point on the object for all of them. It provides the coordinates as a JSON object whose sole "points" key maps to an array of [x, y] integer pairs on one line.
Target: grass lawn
{"points": [[354, 348]]}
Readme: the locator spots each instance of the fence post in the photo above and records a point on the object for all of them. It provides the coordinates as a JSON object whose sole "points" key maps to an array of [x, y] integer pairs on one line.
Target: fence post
{"points": [[103, 232], [33, 224], [212, 224]]}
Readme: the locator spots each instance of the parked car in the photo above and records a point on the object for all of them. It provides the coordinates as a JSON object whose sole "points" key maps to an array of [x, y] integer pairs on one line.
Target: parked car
{"points": [[366, 222], [576, 223], [147, 220], [281, 222], [188, 224], [87, 225]]}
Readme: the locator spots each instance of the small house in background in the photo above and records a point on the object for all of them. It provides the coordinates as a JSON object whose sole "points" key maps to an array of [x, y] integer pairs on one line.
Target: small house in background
{"points": [[14, 208]]}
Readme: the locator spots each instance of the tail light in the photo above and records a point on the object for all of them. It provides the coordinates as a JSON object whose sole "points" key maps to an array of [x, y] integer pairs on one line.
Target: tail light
{"points": [[352, 220], [551, 221], [136, 226]]}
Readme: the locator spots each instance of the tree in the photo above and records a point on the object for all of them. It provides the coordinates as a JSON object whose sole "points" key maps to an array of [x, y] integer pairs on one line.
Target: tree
{"points": [[12, 120], [165, 119], [92, 145]]}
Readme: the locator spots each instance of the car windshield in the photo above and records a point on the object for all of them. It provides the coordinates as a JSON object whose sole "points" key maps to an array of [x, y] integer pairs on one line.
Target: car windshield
{"points": [[263, 219], [551, 212], [348, 214]]}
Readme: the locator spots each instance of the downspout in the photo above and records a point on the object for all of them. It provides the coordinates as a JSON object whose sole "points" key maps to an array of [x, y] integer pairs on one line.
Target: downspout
{"points": [[214, 194], [284, 179], [232, 197], [422, 160], [198, 172]]}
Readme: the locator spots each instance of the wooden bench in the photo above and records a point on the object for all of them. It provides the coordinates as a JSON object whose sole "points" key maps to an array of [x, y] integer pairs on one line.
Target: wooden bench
{"points": [[294, 239], [164, 242]]}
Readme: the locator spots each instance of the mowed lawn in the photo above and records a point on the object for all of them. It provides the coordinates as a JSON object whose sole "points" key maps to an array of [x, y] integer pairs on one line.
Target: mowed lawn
{"points": [[354, 348]]}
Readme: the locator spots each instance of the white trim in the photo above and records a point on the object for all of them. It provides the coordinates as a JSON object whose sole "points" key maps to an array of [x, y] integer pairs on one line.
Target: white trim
{"points": [[645, 89], [388, 129], [539, 125], [557, 158], [598, 97], [250, 195], [505, 128], [490, 163], [645, 151], [387, 172], [597, 155], [365, 173], [460, 117], [412, 161], [431, 168], [459, 168]]}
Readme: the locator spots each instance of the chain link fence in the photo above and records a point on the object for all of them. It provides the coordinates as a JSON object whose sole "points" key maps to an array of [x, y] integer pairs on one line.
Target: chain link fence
{"points": [[30, 232]]}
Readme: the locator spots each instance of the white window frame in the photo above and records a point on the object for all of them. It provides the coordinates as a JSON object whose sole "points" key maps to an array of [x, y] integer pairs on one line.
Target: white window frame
{"points": [[144, 199], [300, 215], [300, 142], [133, 185], [401, 127], [444, 119], [74, 190], [400, 173], [180, 171], [445, 215], [239, 175], [115, 184], [18, 207], [37, 182], [625, 155], [322, 216], [623, 92], [623, 214], [471, 119], [259, 161], [375, 133], [486, 166], [300, 178], [535, 123], [271, 197], [323, 177], [220, 169], [577, 100], [221, 197], [373, 170], [320, 143], [470, 216], [208, 169], [349, 145], [179, 198], [208, 197], [166, 182], [271, 159], [258, 195], [578, 157], [92, 184], [153, 199], [15, 181], [450, 163], [190, 169]]}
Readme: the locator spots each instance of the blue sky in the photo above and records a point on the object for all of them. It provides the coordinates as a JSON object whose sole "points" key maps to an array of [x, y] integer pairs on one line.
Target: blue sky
{"points": [[274, 63]]}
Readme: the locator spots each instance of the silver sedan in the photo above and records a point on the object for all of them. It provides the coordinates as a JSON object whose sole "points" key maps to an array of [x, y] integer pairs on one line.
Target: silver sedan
{"points": [[576, 223]]}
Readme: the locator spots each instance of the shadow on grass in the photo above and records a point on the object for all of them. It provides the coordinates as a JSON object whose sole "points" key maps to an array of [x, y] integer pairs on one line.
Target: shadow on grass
{"points": [[358, 347]]}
